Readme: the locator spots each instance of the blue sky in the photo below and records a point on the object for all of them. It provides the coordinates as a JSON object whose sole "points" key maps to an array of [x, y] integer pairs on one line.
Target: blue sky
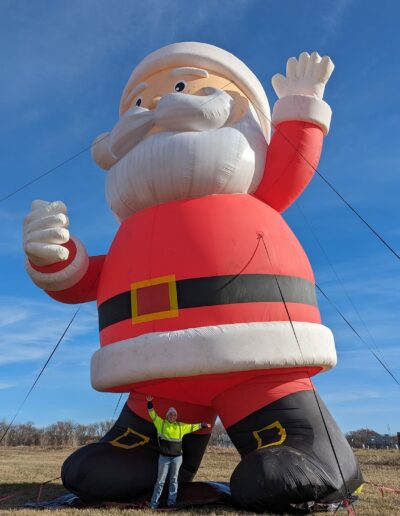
{"points": [[64, 65]]}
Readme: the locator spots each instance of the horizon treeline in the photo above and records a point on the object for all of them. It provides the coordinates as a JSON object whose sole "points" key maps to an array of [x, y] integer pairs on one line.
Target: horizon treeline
{"points": [[70, 434], [67, 433]]}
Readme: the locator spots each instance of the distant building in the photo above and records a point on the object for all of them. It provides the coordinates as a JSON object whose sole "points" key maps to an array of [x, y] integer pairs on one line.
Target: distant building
{"points": [[367, 438], [381, 441]]}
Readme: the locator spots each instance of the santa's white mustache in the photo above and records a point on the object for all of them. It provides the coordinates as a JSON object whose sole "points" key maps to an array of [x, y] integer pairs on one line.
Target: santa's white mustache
{"points": [[174, 112], [130, 130], [180, 112]]}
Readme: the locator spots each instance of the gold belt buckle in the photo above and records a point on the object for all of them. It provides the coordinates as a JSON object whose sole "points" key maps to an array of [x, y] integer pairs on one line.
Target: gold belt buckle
{"points": [[158, 292]]}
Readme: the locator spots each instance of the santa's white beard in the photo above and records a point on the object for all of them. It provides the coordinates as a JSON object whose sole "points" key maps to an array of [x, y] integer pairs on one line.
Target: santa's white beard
{"points": [[168, 166]]}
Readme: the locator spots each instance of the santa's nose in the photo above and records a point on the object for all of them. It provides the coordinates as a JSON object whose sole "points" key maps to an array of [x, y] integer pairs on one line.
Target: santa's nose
{"points": [[154, 101]]}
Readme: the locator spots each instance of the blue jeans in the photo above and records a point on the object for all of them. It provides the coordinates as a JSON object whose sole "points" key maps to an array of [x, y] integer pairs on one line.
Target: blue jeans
{"points": [[165, 464]]}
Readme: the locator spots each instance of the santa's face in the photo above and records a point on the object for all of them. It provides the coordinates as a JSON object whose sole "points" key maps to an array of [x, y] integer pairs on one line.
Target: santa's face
{"points": [[183, 133], [186, 80]]}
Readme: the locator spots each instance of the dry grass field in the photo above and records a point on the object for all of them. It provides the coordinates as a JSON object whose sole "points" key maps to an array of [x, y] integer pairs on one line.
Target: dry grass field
{"points": [[25, 468]]}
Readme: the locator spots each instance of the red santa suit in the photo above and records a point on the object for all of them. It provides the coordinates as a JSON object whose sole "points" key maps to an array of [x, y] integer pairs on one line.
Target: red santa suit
{"points": [[217, 287], [206, 299]]}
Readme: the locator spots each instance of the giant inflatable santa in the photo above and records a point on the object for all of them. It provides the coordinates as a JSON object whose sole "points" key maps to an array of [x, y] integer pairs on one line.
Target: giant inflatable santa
{"points": [[206, 299]]}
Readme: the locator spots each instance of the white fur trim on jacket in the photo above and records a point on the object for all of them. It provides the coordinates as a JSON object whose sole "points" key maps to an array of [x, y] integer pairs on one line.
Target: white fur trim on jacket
{"points": [[211, 350], [65, 278], [305, 108]]}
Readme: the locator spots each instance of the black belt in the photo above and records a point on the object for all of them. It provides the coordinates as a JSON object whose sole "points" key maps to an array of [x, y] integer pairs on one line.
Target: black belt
{"points": [[220, 290]]}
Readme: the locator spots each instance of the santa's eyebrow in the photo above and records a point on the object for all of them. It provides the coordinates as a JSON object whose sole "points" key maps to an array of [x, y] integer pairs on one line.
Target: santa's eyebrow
{"points": [[140, 87], [187, 70]]}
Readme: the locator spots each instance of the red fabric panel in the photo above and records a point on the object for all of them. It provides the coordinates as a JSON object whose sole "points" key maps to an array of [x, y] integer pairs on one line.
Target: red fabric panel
{"points": [[86, 289], [202, 390], [210, 316], [187, 412], [294, 150], [59, 266], [208, 236]]}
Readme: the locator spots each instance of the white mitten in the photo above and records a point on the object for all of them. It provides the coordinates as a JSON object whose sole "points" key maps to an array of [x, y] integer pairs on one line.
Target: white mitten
{"points": [[306, 76], [44, 232], [301, 91], [45, 229]]}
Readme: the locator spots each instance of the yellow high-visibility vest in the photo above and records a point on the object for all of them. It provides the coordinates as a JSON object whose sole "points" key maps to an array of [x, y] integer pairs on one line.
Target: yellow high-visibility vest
{"points": [[172, 431]]}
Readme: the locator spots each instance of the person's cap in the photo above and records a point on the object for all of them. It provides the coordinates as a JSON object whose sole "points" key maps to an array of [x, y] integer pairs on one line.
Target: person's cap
{"points": [[172, 410], [211, 58]]}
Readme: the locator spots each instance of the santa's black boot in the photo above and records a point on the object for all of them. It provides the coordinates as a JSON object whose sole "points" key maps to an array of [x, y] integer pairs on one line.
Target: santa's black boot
{"points": [[287, 456], [123, 465]]}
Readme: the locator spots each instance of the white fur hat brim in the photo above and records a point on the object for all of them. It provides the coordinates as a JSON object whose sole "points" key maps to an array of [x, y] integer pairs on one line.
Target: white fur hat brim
{"points": [[211, 58]]}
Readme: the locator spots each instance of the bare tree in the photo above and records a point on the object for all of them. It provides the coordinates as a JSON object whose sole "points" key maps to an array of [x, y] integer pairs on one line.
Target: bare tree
{"points": [[219, 436]]}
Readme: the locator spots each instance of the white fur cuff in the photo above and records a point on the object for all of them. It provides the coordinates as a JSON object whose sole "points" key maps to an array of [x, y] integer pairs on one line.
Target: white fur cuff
{"points": [[304, 108], [65, 278], [213, 350]]}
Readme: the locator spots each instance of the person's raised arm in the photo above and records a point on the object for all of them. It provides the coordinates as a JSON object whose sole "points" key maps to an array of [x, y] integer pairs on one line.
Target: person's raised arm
{"points": [[157, 421], [188, 428]]}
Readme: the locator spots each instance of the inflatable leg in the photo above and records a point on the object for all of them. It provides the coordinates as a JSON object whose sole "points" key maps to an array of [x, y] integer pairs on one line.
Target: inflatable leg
{"points": [[286, 454], [121, 466]]}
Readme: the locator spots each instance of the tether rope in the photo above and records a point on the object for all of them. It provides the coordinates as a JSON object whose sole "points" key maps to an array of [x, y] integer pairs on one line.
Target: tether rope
{"points": [[276, 128], [347, 493], [40, 374], [370, 227], [116, 406], [379, 351], [15, 494], [46, 173], [358, 335]]}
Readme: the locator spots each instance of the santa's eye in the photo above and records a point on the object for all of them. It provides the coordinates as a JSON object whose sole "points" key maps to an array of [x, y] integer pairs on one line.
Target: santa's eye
{"points": [[138, 101], [180, 86]]}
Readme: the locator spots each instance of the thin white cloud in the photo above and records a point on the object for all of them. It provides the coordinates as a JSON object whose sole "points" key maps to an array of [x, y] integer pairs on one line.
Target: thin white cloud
{"points": [[343, 396], [10, 317], [332, 17], [31, 328], [6, 386]]}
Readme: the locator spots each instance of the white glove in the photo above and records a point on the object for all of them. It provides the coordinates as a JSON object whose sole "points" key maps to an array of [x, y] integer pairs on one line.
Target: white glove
{"points": [[45, 229], [306, 76]]}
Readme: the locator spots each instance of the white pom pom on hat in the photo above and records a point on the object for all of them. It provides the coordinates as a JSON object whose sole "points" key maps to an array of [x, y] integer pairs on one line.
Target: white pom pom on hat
{"points": [[211, 58]]}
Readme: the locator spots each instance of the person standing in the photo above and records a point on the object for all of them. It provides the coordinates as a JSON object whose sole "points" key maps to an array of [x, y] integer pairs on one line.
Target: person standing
{"points": [[170, 433]]}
